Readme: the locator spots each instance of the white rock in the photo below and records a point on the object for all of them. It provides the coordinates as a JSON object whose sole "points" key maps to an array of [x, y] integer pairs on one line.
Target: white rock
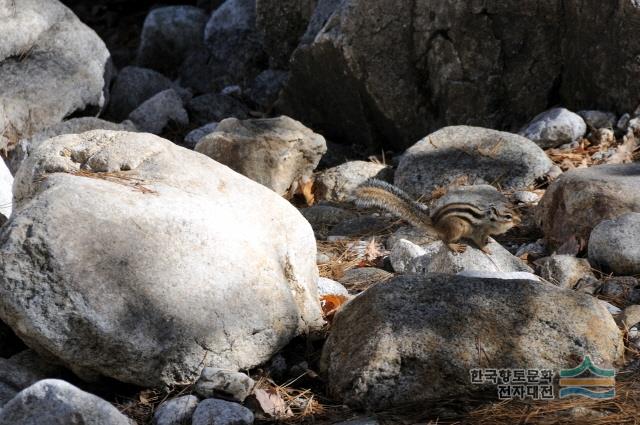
{"points": [[276, 152], [193, 137], [331, 287], [554, 128], [6, 190], [501, 275], [51, 65], [440, 259], [176, 411], [219, 412], [614, 245], [72, 126], [402, 253], [215, 382], [155, 270], [55, 402], [156, 113]]}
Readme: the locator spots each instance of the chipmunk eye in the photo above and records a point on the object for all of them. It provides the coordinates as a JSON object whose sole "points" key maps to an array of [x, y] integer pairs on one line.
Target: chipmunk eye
{"points": [[508, 216]]}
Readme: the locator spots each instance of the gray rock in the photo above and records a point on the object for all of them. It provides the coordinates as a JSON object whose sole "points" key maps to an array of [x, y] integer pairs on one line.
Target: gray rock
{"points": [[232, 39], [177, 411], [324, 217], [563, 270], [533, 250], [157, 112], [623, 290], [276, 152], [72, 126], [21, 371], [598, 119], [623, 123], [366, 225], [168, 35], [412, 234], [266, 87], [220, 412], [132, 86], [361, 278], [148, 296], [219, 382], [281, 23], [6, 192], [214, 107], [55, 402], [440, 259], [337, 184], [415, 338], [51, 66], [481, 155], [614, 245], [193, 137], [489, 64], [331, 287], [630, 316], [402, 253], [580, 199], [554, 128]]}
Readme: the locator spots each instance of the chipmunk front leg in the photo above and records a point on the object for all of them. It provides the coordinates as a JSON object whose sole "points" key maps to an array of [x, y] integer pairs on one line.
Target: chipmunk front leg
{"points": [[481, 240], [451, 230]]}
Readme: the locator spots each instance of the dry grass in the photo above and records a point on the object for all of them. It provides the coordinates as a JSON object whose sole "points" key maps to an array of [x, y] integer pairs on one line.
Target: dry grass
{"points": [[120, 177], [300, 405]]}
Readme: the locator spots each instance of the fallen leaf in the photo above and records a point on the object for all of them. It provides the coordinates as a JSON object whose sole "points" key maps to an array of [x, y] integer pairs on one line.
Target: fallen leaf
{"points": [[330, 304], [272, 404]]}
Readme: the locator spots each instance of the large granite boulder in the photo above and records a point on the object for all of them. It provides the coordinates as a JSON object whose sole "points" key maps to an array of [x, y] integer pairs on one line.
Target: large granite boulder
{"points": [[478, 155], [51, 65], [394, 71], [614, 245], [71, 126], [580, 199], [130, 257], [414, 339]]}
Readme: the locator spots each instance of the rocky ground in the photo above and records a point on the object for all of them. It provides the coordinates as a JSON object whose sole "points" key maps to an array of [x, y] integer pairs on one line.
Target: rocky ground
{"points": [[179, 242]]}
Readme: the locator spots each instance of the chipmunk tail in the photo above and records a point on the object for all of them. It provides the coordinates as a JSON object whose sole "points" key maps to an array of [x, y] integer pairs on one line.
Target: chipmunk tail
{"points": [[375, 193]]}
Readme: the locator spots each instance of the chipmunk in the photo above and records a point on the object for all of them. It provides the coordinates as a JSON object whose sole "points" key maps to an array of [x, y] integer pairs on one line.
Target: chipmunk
{"points": [[452, 221]]}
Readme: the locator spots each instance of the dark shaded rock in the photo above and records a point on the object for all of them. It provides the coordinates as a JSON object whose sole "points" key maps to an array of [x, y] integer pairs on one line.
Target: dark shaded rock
{"points": [[168, 35], [266, 87], [394, 71], [281, 23], [132, 86], [213, 107]]}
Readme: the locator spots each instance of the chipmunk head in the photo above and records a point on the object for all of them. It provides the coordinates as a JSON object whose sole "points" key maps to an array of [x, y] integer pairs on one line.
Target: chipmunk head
{"points": [[501, 218]]}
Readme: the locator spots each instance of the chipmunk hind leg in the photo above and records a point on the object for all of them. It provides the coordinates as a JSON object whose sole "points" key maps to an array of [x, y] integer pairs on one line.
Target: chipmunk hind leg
{"points": [[451, 230]]}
